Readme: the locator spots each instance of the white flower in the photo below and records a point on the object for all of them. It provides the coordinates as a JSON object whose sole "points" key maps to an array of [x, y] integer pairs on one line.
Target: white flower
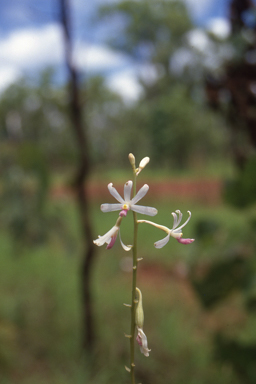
{"points": [[110, 238], [174, 232], [143, 342], [126, 203]]}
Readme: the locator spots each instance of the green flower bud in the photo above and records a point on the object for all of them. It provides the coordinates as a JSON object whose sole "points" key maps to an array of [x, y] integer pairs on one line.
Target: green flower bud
{"points": [[139, 314]]}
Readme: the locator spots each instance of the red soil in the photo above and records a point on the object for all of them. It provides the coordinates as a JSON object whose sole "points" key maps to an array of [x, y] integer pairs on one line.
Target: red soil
{"points": [[203, 191]]}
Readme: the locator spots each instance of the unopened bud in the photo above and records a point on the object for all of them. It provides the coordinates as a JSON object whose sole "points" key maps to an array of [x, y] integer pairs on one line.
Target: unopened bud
{"points": [[142, 164], [139, 314], [131, 158]]}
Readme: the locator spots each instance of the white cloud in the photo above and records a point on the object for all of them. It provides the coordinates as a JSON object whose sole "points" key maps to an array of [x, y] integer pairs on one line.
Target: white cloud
{"points": [[208, 53], [36, 48], [198, 39], [98, 58], [8, 75], [32, 48], [220, 27], [126, 84]]}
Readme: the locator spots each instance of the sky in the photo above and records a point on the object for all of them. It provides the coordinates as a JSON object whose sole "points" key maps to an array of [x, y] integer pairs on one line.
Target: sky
{"points": [[31, 39]]}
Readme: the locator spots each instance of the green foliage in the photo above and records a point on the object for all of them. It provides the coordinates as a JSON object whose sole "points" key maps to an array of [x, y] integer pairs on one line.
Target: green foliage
{"points": [[174, 127], [36, 112], [152, 29], [25, 184], [225, 284], [222, 279], [241, 192], [241, 357], [40, 314]]}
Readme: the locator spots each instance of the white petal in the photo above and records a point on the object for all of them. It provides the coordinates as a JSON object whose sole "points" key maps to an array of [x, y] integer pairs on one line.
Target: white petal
{"points": [[141, 193], [180, 216], [110, 207], [174, 220], [144, 210], [183, 225], [127, 190], [125, 247], [144, 347], [163, 242], [115, 194], [107, 237]]}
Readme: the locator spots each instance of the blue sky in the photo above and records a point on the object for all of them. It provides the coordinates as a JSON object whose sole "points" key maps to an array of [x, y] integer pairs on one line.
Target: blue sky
{"points": [[31, 39]]}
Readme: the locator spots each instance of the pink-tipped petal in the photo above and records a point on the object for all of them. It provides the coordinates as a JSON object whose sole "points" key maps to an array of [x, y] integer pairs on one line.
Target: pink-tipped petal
{"points": [[185, 241]]}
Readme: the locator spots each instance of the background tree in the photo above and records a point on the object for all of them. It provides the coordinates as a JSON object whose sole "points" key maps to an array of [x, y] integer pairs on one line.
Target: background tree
{"points": [[232, 93], [79, 127], [169, 116]]}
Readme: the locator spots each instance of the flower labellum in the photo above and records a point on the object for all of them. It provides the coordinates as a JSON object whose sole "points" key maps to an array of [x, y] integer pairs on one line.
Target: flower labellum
{"points": [[185, 241]]}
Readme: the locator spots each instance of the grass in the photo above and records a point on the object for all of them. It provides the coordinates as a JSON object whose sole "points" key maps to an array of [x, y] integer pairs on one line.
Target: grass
{"points": [[40, 323]]}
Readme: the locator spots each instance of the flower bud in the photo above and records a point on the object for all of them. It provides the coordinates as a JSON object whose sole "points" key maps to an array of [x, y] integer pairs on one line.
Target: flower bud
{"points": [[139, 314], [131, 158], [142, 164]]}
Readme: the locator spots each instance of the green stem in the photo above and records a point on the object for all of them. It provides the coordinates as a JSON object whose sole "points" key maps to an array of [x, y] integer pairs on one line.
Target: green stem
{"points": [[134, 278]]}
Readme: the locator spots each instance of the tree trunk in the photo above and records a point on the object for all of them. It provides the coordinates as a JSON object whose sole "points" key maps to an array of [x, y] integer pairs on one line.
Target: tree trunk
{"points": [[80, 130]]}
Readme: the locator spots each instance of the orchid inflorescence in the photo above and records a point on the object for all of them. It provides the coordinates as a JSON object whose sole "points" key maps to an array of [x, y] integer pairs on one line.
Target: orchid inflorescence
{"points": [[124, 205]]}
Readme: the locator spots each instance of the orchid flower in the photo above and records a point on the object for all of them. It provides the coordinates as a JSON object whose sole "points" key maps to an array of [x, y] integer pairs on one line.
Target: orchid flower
{"points": [[143, 342], [126, 203], [174, 232], [110, 237]]}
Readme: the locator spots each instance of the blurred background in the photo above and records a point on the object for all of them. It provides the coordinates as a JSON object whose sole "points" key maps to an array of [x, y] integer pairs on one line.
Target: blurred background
{"points": [[83, 84]]}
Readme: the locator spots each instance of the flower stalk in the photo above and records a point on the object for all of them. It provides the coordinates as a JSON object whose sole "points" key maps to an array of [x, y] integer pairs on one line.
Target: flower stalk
{"points": [[134, 284], [124, 205]]}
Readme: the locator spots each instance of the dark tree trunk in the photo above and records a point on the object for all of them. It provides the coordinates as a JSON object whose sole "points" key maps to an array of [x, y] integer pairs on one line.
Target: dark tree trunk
{"points": [[81, 180], [237, 82]]}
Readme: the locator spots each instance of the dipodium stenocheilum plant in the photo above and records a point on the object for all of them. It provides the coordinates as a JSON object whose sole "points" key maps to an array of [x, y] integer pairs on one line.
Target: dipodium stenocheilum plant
{"points": [[124, 205]]}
